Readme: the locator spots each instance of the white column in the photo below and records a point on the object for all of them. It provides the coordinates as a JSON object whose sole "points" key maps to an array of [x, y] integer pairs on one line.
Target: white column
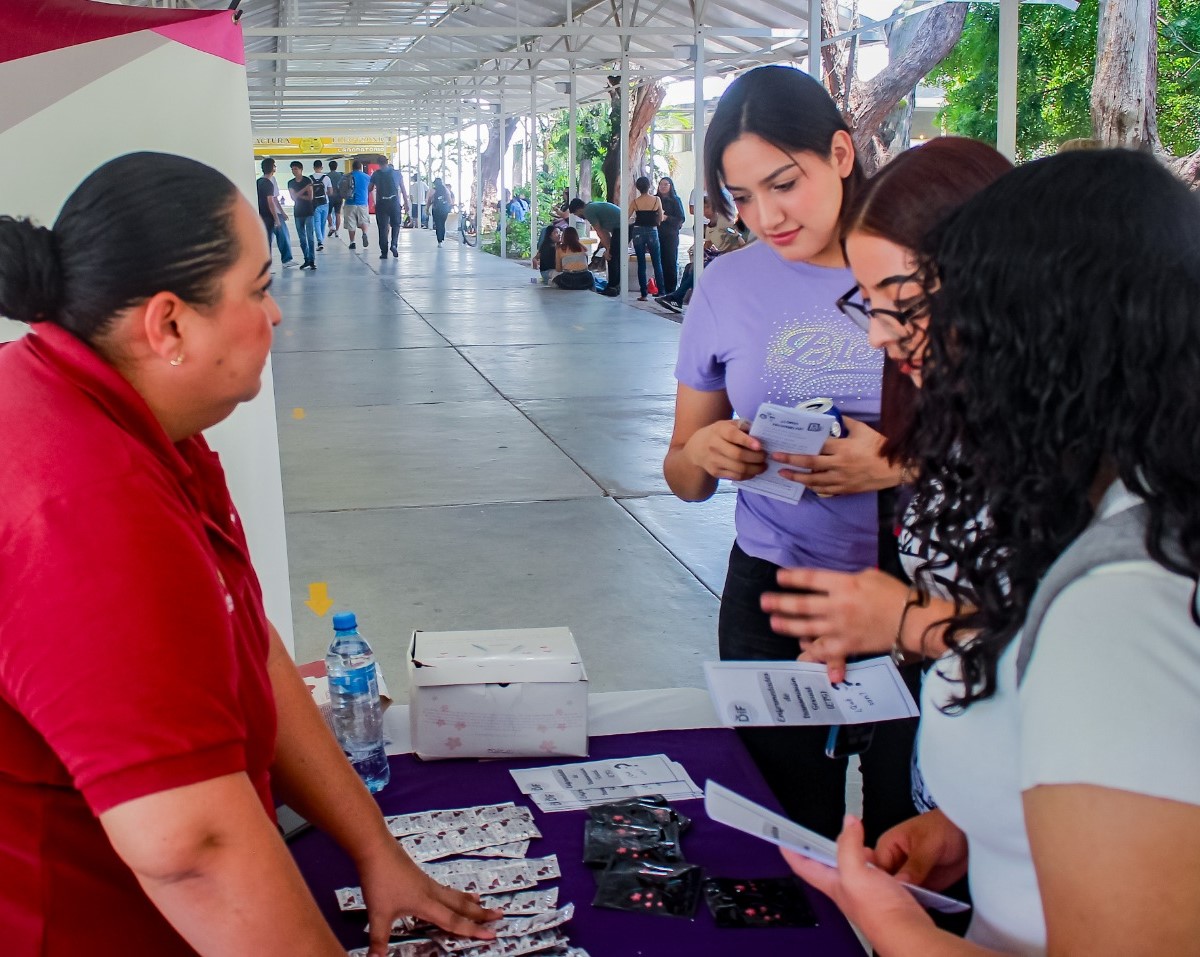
{"points": [[572, 145], [621, 253], [698, 118], [572, 118], [533, 168], [478, 168], [814, 38], [1006, 98], [503, 184], [458, 193]]}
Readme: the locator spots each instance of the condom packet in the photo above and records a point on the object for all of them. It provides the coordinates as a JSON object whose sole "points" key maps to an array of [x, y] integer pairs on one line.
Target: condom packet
{"points": [[523, 902], [513, 851], [404, 948], [761, 902], [502, 946], [648, 887], [603, 843], [650, 810]]}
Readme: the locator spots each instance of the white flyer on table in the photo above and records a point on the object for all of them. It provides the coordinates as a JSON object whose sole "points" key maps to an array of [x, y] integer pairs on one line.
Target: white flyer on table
{"points": [[770, 693], [783, 429], [730, 808], [619, 772]]}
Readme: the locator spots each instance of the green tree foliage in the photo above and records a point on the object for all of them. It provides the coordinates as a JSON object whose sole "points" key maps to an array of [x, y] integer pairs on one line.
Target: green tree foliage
{"points": [[593, 127], [1179, 75], [1054, 76]]}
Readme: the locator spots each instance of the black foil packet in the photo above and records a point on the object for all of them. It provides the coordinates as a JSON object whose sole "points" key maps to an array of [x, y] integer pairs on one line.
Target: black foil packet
{"points": [[648, 811], [630, 842], [646, 887], [760, 902]]}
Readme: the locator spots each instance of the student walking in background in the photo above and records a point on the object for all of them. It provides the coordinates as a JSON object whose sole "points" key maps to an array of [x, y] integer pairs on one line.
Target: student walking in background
{"points": [[271, 213], [301, 188], [321, 207]]}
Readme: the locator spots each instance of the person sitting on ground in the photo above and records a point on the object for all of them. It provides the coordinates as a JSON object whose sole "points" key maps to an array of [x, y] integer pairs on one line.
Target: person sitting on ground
{"points": [[547, 251], [572, 262]]}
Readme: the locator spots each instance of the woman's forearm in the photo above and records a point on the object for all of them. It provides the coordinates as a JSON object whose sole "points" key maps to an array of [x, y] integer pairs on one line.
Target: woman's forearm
{"points": [[688, 481], [311, 772], [925, 627], [210, 860]]}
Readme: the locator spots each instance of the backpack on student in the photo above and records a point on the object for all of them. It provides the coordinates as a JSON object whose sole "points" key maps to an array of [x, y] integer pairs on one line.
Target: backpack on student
{"points": [[345, 187], [318, 184]]}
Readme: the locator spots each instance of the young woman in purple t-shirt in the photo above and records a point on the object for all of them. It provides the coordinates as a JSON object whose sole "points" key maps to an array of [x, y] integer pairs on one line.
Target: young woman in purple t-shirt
{"points": [[763, 327]]}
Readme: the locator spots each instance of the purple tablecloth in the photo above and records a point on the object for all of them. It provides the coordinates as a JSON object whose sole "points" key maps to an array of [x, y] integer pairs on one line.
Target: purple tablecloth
{"points": [[723, 852]]}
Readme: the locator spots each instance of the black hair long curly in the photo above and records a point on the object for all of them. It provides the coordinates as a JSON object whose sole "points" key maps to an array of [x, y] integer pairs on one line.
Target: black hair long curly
{"points": [[1063, 351]]}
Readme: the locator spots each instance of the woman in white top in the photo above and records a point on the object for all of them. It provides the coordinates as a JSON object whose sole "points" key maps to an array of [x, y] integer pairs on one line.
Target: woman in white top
{"points": [[1059, 370], [572, 261]]}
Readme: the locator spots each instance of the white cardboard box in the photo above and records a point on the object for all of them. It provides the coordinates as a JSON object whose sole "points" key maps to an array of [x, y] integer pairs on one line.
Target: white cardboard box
{"points": [[519, 692]]}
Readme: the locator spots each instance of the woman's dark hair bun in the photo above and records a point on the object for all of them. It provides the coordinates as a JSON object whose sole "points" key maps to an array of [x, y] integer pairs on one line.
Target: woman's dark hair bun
{"points": [[31, 279]]}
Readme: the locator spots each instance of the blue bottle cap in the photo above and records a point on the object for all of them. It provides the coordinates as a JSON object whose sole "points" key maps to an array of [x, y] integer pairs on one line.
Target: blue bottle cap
{"points": [[344, 621]]}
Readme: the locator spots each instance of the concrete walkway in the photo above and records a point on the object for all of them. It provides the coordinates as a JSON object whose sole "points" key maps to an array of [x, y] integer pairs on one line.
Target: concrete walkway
{"points": [[462, 449]]}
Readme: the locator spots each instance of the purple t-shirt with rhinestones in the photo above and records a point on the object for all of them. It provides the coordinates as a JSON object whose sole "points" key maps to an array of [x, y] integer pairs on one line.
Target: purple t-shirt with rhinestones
{"points": [[766, 330]]}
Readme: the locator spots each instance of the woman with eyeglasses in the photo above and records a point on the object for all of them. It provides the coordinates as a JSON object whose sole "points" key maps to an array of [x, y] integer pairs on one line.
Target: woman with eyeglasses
{"points": [[837, 615], [762, 327], [1057, 460]]}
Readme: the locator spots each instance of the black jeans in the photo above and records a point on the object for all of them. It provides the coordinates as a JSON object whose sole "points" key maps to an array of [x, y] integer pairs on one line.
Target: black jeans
{"points": [[668, 243], [387, 218], [439, 222], [614, 268], [810, 786]]}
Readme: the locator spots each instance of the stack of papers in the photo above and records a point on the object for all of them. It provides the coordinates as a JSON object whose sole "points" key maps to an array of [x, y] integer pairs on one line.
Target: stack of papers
{"points": [[764, 693], [573, 787], [781, 429]]}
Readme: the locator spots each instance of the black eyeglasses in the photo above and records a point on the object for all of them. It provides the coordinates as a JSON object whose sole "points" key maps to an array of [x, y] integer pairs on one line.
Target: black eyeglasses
{"points": [[860, 313]]}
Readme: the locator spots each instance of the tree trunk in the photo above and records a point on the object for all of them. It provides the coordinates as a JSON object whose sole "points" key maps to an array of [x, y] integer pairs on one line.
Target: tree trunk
{"points": [[645, 101], [585, 179], [923, 42], [645, 107], [489, 161], [1125, 86]]}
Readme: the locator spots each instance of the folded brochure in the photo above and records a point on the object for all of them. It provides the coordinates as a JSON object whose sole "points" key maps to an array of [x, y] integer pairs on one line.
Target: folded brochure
{"points": [[730, 808], [772, 693]]}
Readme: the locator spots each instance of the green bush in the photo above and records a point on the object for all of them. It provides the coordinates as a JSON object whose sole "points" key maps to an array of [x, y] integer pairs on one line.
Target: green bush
{"points": [[517, 240]]}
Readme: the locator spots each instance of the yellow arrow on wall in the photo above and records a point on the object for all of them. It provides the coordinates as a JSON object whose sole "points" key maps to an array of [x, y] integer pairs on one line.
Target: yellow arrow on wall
{"points": [[318, 598]]}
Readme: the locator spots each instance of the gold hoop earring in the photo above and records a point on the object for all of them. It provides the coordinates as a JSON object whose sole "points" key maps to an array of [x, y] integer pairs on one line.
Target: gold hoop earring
{"points": [[178, 360]]}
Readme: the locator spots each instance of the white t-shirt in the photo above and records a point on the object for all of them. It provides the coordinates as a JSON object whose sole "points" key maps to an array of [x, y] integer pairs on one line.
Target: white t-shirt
{"points": [[418, 191], [1109, 699]]}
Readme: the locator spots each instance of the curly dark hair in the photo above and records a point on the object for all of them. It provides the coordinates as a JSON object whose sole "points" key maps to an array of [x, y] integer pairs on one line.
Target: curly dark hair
{"points": [[1063, 351]]}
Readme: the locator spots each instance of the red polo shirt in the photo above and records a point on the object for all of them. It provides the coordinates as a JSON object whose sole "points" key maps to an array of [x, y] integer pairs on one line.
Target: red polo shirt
{"points": [[133, 644]]}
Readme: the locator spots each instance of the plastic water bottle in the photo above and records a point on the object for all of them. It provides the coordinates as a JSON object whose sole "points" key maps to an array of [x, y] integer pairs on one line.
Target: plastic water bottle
{"points": [[354, 699]]}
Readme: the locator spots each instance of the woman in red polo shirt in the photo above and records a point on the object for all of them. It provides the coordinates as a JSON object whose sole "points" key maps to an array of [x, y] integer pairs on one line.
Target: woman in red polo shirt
{"points": [[147, 707]]}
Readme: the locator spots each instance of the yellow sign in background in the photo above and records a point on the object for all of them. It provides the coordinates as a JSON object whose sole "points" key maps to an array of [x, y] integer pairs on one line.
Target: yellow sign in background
{"points": [[323, 145]]}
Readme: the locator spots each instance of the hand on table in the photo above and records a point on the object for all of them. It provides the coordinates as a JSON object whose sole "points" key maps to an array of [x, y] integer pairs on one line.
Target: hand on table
{"points": [[854, 463], [872, 899], [726, 450], [842, 614], [394, 886]]}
